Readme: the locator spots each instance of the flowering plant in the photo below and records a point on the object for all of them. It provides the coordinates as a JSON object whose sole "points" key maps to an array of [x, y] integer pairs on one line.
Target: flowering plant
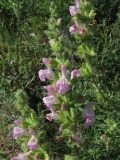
{"points": [[69, 103]]}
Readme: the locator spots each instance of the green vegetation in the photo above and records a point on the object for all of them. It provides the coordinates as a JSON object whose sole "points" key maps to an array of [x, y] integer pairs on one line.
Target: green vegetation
{"points": [[23, 44]]}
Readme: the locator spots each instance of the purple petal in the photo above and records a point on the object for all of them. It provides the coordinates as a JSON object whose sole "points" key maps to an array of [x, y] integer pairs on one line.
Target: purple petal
{"points": [[18, 132], [73, 10], [73, 29], [50, 74], [49, 101], [75, 73], [62, 86], [46, 61], [42, 74], [50, 89], [33, 143], [17, 122]]}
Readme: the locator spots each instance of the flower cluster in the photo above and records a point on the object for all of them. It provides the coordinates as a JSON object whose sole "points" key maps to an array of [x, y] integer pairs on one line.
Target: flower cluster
{"points": [[61, 86], [18, 133], [79, 28], [76, 28]]}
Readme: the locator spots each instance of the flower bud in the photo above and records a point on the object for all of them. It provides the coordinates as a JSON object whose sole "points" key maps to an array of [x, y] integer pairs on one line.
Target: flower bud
{"points": [[46, 62], [75, 73], [51, 116], [17, 122]]}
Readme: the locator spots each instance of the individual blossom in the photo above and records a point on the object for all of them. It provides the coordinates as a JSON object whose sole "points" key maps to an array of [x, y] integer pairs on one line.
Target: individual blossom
{"points": [[89, 115], [50, 89], [42, 74], [17, 122], [46, 74], [49, 101], [73, 29], [24, 156], [51, 116], [76, 29], [46, 62], [62, 85], [73, 10], [18, 132], [75, 73], [33, 143]]}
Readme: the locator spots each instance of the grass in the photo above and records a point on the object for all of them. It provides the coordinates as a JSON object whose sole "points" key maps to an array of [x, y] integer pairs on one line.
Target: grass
{"points": [[23, 43]]}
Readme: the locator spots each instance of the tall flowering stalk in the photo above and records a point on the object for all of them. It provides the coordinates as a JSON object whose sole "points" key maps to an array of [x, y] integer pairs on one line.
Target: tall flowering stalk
{"points": [[68, 102], [65, 89]]}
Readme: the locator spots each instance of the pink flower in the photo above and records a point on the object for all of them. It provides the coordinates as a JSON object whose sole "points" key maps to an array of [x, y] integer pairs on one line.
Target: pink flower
{"points": [[89, 114], [24, 156], [50, 89], [46, 74], [33, 143], [73, 10], [49, 101], [80, 30], [46, 62], [17, 122], [73, 29], [51, 116], [18, 132], [62, 85], [75, 73], [42, 74]]}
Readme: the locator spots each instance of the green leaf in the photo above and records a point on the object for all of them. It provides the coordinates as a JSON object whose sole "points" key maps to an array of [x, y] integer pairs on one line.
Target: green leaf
{"points": [[86, 70], [69, 157], [67, 133], [3, 155]]}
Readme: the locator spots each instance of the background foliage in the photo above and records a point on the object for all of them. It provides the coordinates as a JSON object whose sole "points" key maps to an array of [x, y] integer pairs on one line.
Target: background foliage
{"points": [[23, 43]]}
